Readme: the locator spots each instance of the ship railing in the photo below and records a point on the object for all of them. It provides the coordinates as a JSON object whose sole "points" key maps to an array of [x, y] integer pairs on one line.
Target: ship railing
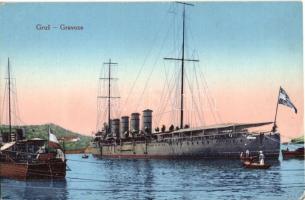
{"points": [[210, 136], [7, 157], [20, 155]]}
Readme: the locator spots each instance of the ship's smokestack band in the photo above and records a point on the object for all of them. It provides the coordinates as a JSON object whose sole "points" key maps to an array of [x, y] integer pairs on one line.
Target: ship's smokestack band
{"points": [[115, 127], [124, 126], [135, 122], [147, 121]]}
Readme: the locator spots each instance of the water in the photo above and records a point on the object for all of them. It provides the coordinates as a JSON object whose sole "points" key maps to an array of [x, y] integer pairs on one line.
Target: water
{"points": [[164, 179]]}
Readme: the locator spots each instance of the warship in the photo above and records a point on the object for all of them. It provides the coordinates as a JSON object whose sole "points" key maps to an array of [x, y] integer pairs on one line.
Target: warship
{"points": [[124, 138]]}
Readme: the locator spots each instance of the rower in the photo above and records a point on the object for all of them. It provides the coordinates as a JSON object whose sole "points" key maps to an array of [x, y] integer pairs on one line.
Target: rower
{"points": [[261, 158], [247, 153]]}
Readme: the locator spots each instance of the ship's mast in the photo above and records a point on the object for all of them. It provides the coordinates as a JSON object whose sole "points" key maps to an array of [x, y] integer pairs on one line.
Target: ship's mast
{"points": [[109, 97], [9, 96], [182, 59]]}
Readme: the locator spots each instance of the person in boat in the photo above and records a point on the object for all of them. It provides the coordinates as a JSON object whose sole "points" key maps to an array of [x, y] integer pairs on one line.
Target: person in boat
{"points": [[261, 158], [247, 153], [241, 155], [41, 150]]}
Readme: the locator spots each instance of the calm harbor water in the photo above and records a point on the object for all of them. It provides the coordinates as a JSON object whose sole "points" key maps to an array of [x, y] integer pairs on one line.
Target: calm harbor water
{"points": [[164, 179]]}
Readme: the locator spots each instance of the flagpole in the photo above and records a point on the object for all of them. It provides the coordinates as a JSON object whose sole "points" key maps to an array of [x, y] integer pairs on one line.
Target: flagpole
{"points": [[48, 136], [277, 105]]}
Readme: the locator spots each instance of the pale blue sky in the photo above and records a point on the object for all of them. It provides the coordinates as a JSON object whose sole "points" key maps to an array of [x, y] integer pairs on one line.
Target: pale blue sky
{"points": [[240, 45], [125, 31]]}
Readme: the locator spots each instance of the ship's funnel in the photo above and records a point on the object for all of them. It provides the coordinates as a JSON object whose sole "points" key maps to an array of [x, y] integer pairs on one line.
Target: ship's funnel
{"points": [[135, 122], [147, 121], [124, 126], [115, 127]]}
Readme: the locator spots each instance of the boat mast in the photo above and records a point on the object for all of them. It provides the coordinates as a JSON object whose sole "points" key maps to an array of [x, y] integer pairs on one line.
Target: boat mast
{"points": [[182, 71], [9, 95], [109, 97], [182, 59]]}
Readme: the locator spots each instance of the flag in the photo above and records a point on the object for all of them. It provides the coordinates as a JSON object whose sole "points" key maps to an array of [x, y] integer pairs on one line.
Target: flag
{"points": [[53, 142], [285, 100]]}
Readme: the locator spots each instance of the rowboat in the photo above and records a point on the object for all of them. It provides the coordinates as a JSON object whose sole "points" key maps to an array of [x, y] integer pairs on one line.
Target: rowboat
{"points": [[254, 165]]}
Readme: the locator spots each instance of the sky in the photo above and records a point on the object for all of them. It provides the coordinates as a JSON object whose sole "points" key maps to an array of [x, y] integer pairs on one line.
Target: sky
{"points": [[246, 52]]}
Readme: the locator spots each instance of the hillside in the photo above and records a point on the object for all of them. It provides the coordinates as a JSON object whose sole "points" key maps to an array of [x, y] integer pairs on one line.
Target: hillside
{"points": [[41, 131], [298, 140]]}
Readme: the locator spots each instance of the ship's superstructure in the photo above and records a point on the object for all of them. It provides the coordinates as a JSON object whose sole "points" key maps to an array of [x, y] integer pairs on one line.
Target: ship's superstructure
{"points": [[129, 137]]}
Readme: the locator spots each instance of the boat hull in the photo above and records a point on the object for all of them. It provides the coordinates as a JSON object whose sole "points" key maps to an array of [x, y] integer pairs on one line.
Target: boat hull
{"points": [[292, 154], [47, 170], [250, 165], [200, 147]]}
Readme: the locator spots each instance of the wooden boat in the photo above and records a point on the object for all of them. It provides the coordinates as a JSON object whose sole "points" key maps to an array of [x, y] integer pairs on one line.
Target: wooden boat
{"points": [[298, 153], [25, 160], [254, 165]]}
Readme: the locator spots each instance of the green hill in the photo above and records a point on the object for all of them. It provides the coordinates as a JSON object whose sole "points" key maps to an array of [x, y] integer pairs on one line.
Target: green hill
{"points": [[41, 131], [298, 140]]}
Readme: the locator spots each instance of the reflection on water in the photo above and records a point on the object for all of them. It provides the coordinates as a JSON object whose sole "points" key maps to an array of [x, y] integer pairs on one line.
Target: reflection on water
{"points": [[39, 189], [164, 179]]}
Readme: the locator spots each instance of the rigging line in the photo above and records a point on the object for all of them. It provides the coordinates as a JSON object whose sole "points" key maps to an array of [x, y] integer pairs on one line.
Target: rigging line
{"points": [[192, 95], [210, 105], [176, 100], [15, 107], [167, 81], [4, 111], [199, 94], [164, 94], [210, 99], [165, 103], [152, 69], [278, 141], [142, 67], [207, 95], [217, 114], [168, 111], [171, 91], [168, 96], [98, 114], [193, 116], [172, 97]]}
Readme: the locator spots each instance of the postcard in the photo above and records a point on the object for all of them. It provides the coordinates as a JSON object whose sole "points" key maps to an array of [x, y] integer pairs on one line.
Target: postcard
{"points": [[152, 100]]}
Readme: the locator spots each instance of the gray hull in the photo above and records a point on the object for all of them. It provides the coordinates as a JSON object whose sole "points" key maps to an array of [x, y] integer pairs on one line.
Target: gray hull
{"points": [[224, 146]]}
